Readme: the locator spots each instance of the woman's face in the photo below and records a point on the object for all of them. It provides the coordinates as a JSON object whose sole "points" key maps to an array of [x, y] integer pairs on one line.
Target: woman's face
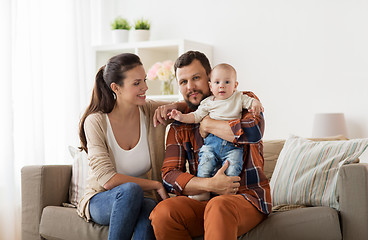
{"points": [[134, 88]]}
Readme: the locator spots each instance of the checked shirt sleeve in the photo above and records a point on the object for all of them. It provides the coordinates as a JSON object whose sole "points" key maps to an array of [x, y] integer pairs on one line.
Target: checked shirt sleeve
{"points": [[249, 129], [174, 174]]}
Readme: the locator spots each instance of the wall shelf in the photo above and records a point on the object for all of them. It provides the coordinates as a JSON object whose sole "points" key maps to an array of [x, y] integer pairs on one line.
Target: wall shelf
{"points": [[151, 52]]}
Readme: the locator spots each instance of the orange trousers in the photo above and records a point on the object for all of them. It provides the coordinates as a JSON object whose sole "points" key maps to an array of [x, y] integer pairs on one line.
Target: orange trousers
{"points": [[223, 217]]}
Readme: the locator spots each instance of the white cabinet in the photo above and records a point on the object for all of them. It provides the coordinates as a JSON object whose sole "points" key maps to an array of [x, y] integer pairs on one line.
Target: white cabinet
{"points": [[151, 52]]}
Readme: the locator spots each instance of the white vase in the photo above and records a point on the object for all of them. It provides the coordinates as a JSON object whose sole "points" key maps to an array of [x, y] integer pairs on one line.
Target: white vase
{"points": [[120, 35], [140, 35]]}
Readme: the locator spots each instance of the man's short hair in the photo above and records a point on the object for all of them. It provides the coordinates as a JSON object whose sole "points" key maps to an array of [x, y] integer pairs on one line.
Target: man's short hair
{"points": [[188, 57]]}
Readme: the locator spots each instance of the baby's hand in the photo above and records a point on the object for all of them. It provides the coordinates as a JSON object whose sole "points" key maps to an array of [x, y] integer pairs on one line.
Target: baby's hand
{"points": [[257, 107], [175, 114]]}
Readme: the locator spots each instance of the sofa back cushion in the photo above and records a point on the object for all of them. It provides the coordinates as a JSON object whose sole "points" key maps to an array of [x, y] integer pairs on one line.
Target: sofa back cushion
{"points": [[271, 152]]}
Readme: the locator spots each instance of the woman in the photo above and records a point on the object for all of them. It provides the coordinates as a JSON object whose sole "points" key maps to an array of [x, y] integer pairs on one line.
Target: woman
{"points": [[125, 151]]}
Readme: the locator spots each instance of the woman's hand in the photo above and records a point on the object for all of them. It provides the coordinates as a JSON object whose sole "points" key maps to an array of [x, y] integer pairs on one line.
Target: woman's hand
{"points": [[161, 112], [161, 191]]}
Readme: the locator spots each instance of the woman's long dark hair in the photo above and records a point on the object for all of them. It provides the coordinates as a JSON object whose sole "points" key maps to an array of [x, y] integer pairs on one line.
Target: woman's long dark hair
{"points": [[103, 97]]}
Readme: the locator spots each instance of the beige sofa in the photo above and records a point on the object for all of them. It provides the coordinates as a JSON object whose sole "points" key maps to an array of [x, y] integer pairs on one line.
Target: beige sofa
{"points": [[45, 188]]}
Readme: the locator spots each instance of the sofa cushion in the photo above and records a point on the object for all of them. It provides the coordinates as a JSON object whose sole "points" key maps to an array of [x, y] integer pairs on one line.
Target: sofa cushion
{"points": [[272, 149], [306, 171], [64, 223], [79, 175], [317, 223], [303, 223], [271, 152]]}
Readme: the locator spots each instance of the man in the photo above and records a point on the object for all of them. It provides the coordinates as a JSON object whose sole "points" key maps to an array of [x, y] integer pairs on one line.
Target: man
{"points": [[240, 202]]}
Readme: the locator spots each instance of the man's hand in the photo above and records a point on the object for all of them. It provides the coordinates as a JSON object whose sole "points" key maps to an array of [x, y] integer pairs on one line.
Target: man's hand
{"points": [[161, 112], [257, 107], [225, 185], [203, 126]]}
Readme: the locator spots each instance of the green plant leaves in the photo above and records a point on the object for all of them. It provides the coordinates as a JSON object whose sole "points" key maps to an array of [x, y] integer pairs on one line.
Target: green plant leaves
{"points": [[142, 24], [120, 23]]}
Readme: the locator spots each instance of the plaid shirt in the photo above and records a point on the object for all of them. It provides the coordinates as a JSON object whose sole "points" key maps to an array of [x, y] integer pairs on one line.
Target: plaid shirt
{"points": [[183, 144]]}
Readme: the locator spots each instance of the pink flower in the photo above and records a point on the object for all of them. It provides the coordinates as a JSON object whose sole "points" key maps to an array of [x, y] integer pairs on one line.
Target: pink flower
{"points": [[168, 64], [162, 71], [152, 72]]}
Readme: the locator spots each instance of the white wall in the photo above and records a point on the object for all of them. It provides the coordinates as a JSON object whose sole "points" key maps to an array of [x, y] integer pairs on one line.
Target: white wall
{"points": [[299, 57]]}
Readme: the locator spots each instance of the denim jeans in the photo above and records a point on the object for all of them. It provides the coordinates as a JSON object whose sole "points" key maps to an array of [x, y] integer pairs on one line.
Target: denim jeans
{"points": [[126, 210], [213, 155]]}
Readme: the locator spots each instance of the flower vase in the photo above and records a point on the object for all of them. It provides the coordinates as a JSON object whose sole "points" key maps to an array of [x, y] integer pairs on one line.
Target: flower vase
{"points": [[167, 88]]}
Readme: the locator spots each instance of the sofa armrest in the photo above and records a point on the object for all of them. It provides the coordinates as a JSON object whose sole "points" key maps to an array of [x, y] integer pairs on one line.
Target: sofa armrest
{"points": [[42, 185], [352, 187]]}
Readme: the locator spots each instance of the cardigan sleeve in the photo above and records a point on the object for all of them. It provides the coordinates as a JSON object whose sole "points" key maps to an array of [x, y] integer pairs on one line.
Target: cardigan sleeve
{"points": [[99, 159]]}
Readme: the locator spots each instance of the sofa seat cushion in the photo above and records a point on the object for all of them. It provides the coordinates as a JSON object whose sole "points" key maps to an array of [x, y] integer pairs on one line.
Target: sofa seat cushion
{"points": [[64, 223], [302, 223]]}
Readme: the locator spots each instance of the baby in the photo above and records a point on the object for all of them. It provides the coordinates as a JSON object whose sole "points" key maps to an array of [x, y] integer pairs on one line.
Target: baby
{"points": [[226, 103]]}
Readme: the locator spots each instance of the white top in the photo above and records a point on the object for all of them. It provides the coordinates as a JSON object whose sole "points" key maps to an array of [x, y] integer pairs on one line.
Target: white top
{"points": [[227, 109], [136, 161]]}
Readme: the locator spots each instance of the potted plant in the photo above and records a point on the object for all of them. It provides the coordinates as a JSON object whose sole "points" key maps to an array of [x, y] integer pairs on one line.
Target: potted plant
{"points": [[141, 30], [120, 30]]}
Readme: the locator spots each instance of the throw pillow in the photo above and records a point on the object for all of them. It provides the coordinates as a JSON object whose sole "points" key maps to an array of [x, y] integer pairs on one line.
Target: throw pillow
{"points": [[272, 149], [79, 175], [306, 171]]}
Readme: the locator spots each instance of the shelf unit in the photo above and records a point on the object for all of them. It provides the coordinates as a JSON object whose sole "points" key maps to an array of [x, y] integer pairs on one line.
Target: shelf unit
{"points": [[151, 52]]}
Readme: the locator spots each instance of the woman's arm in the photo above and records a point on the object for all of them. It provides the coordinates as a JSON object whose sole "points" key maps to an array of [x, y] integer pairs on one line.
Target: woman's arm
{"points": [[100, 162], [145, 184]]}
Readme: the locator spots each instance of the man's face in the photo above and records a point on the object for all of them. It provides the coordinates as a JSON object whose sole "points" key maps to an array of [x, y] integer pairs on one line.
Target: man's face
{"points": [[193, 83]]}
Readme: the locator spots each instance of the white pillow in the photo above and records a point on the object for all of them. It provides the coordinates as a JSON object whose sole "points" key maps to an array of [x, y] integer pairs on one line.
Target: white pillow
{"points": [[79, 175], [306, 171]]}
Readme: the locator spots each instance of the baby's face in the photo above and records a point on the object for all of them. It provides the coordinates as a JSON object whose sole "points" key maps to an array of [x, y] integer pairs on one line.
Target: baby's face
{"points": [[223, 83]]}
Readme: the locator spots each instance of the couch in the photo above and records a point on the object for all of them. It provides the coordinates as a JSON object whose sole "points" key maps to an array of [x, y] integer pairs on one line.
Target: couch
{"points": [[45, 188]]}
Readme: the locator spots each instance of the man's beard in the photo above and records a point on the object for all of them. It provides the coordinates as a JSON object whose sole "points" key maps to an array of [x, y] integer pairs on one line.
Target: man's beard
{"points": [[192, 106]]}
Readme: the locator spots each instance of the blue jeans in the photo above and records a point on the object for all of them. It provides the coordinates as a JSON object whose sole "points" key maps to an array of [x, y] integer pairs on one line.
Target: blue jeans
{"points": [[126, 210], [213, 155]]}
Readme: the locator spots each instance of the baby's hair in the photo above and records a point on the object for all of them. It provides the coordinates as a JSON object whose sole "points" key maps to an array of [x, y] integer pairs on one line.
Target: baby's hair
{"points": [[226, 67]]}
